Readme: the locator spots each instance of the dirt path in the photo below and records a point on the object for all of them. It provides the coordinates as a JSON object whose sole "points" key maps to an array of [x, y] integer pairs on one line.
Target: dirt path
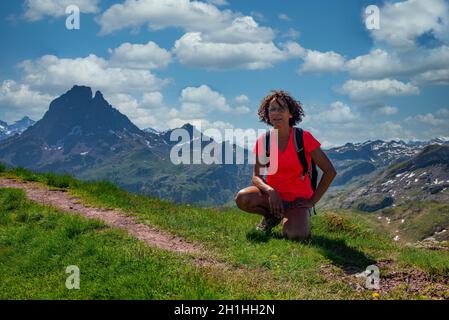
{"points": [[114, 218]]}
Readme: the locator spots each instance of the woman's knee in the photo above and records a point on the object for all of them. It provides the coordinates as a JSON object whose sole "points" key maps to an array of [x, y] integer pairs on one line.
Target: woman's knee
{"points": [[297, 224], [242, 200]]}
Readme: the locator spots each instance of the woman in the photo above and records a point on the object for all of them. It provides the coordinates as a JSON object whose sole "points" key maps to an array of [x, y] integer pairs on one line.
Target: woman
{"points": [[285, 195]]}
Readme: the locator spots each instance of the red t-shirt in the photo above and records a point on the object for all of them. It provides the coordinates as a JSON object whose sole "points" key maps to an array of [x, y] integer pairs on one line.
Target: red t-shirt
{"points": [[287, 178]]}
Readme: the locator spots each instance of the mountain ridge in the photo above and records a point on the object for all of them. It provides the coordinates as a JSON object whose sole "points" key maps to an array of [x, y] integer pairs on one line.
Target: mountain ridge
{"points": [[83, 135]]}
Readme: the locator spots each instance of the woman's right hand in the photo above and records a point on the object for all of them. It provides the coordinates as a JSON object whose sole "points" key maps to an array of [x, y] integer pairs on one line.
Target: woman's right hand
{"points": [[276, 205]]}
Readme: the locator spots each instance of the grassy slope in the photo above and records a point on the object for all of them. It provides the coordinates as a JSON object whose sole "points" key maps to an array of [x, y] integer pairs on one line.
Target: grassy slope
{"points": [[345, 239], [421, 220]]}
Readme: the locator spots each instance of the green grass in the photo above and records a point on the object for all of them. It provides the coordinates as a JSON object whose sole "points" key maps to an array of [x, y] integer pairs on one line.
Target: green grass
{"points": [[345, 239], [37, 243], [421, 219]]}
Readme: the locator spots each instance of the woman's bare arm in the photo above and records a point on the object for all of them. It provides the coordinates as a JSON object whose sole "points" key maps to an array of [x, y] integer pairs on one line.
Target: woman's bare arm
{"points": [[258, 180], [329, 173], [276, 206]]}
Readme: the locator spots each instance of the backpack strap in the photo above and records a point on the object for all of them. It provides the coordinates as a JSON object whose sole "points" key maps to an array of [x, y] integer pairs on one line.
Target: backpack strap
{"points": [[310, 171], [299, 145], [267, 147]]}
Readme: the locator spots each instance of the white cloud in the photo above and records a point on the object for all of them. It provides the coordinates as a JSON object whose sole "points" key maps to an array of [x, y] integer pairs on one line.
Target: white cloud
{"points": [[258, 15], [387, 110], [401, 23], [240, 30], [37, 9], [218, 2], [162, 14], [57, 74], [291, 33], [339, 133], [140, 56], [283, 16], [18, 100], [439, 77], [198, 101], [338, 112], [149, 111], [443, 113], [242, 110], [441, 117], [192, 16], [378, 63], [376, 89], [213, 39], [316, 61], [241, 99], [192, 50]]}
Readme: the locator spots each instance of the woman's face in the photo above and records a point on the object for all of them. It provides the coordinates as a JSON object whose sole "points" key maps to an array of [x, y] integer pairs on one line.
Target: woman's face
{"points": [[278, 113]]}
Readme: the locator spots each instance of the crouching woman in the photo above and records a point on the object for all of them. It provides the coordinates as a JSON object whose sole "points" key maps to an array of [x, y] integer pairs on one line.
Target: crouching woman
{"points": [[285, 194]]}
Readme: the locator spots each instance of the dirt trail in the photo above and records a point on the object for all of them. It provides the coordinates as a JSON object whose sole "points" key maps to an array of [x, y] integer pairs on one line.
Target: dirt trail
{"points": [[63, 201]]}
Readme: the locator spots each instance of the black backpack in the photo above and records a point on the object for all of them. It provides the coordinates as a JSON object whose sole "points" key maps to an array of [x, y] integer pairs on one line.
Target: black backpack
{"points": [[311, 170]]}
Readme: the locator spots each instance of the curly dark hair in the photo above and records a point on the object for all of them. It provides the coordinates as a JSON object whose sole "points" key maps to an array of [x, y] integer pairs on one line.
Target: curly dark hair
{"points": [[295, 107]]}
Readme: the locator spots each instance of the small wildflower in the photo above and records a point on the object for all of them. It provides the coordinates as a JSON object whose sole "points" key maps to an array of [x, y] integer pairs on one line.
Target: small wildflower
{"points": [[376, 295]]}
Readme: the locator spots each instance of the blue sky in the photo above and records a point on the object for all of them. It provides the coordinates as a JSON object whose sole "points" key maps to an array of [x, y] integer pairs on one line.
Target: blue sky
{"points": [[164, 63]]}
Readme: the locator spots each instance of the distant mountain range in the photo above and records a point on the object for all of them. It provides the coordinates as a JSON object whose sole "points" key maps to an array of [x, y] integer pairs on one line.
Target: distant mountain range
{"points": [[359, 159], [83, 135], [17, 127]]}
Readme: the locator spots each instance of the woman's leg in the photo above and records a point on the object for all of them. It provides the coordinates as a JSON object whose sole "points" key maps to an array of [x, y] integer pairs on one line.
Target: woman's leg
{"points": [[252, 200], [297, 224]]}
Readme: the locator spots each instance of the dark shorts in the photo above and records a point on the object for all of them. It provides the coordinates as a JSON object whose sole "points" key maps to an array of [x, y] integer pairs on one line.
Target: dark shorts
{"points": [[294, 204]]}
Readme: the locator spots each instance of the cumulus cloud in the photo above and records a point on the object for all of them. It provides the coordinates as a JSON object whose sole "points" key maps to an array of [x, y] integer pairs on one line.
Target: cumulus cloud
{"points": [[57, 74], [161, 14], [241, 99], [375, 89], [38, 9], [242, 110], [140, 56], [18, 100], [197, 102], [438, 77], [240, 30], [283, 16], [192, 50], [291, 33], [377, 63], [387, 110], [213, 39], [428, 125], [440, 117], [401, 23], [338, 112], [218, 2], [335, 134], [316, 61], [148, 111], [380, 63]]}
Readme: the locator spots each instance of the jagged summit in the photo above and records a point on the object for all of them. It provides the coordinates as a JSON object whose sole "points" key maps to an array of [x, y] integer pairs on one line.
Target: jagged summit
{"points": [[76, 111]]}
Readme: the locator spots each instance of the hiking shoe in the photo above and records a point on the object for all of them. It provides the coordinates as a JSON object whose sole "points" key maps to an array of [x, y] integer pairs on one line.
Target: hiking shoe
{"points": [[268, 223]]}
